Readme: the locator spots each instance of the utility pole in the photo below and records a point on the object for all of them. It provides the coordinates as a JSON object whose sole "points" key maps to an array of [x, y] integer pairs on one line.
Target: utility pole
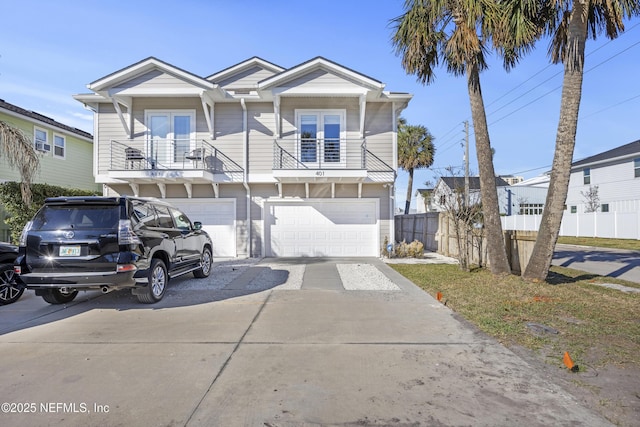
{"points": [[466, 163]]}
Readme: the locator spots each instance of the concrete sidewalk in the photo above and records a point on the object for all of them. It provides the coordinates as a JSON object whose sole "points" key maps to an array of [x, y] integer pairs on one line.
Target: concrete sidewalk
{"points": [[279, 342]]}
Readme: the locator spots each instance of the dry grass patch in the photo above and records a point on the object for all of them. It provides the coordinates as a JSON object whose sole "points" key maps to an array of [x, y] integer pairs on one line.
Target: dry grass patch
{"points": [[597, 325]]}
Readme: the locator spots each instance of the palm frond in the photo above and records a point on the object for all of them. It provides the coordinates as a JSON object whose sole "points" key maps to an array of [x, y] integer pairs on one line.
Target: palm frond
{"points": [[18, 149]]}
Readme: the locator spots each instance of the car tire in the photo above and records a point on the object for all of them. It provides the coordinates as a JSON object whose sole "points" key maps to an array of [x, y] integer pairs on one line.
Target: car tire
{"points": [[157, 285], [56, 296], [205, 264], [9, 291]]}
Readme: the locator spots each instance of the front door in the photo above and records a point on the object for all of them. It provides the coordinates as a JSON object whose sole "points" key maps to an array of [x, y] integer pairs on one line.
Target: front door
{"points": [[171, 137]]}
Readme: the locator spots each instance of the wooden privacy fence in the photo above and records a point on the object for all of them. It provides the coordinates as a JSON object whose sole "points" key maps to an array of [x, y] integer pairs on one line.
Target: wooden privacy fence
{"points": [[421, 227], [437, 234]]}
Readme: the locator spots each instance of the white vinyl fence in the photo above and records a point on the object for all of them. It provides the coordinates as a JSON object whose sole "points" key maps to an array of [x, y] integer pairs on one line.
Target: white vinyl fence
{"points": [[619, 225]]}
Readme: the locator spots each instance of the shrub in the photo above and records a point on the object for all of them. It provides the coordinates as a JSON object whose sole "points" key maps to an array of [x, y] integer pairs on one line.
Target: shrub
{"points": [[414, 249], [19, 213]]}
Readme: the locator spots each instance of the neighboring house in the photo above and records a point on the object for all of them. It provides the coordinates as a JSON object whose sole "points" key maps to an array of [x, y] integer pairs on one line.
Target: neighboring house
{"points": [[512, 179], [521, 200], [615, 173], [449, 191], [424, 200], [274, 161], [66, 153]]}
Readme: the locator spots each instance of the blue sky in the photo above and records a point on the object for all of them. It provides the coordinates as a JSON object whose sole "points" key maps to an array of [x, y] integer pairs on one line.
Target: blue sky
{"points": [[49, 51]]}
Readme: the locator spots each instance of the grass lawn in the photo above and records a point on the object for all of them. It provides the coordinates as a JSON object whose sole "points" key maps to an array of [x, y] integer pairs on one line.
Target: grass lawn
{"points": [[601, 242], [596, 325]]}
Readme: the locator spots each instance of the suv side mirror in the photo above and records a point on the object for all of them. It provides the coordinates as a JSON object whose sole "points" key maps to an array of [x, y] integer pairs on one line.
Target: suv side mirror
{"points": [[197, 225]]}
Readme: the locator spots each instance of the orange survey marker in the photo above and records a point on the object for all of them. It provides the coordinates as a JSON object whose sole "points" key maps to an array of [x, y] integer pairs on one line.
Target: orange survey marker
{"points": [[439, 296], [569, 363]]}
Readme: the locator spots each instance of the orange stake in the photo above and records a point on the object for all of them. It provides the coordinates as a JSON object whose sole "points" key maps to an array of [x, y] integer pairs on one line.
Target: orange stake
{"points": [[569, 363], [439, 296]]}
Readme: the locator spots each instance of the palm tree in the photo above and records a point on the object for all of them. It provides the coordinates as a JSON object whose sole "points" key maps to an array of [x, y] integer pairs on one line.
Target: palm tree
{"points": [[569, 23], [456, 33], [415, 151], [18, 149]]}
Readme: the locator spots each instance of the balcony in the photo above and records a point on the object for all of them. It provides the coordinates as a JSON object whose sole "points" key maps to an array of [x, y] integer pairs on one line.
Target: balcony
{"points": [[171, 161], [328, 160]]}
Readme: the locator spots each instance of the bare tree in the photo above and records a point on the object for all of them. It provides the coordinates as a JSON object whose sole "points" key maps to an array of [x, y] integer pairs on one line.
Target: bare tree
{"points": [[591, 199]]}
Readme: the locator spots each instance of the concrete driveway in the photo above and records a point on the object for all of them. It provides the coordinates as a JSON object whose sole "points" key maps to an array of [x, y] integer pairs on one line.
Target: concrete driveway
{"points": [[275, 342]]}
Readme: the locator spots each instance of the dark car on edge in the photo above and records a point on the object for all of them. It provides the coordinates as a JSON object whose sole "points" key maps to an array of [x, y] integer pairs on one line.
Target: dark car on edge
{"points": [[109, 243], [9, 290]]}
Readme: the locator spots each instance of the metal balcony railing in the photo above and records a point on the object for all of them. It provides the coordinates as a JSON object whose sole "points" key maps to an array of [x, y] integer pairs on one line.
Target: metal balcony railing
{"points": [[170, 154], [330, 153]]}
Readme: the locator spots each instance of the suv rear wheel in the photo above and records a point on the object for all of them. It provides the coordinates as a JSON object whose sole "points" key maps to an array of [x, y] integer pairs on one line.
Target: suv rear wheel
{"points": [[157, 283], [205, 264], [58, 296], [9, 291]]}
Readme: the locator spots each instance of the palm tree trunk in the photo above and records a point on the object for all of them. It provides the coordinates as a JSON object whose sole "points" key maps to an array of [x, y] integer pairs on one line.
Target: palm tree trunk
{"points": [[407, 204], [542, 254], [497, 255]]}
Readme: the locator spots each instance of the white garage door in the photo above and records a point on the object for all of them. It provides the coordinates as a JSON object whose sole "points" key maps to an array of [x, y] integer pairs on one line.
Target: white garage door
{"points": [[334, 227], [218, 218]]}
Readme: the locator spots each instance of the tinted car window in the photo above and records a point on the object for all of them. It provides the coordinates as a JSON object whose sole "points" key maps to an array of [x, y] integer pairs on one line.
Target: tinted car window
{"points": [[65, 217], [145, 214], [164, 218], [182, 222]]}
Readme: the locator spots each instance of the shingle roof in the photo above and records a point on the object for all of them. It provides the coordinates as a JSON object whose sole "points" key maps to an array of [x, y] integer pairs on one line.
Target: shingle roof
{"points": [[44, 119], [454, 182], [624, 150]]}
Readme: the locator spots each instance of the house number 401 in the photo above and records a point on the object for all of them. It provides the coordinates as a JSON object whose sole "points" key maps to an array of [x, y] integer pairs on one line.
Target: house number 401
{"points": [[319, 173]]}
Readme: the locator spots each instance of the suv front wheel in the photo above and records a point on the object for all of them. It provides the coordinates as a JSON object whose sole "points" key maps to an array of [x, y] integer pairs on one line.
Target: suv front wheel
{"points": [[58, 296], [157, 283], [205, 264]]}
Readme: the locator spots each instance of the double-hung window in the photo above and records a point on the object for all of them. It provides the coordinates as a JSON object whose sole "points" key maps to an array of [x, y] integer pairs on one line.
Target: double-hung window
{"points": [[586, 176], [59, 145], [321, 138], [41, 139], [636, 167], [171, 136]]}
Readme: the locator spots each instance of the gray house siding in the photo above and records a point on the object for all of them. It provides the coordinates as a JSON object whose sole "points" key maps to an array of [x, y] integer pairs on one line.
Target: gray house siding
{"points": [[261, 123]]}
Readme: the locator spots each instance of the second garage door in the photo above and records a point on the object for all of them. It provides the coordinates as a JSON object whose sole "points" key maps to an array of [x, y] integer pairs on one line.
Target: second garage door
{"points": [[318, 228]]}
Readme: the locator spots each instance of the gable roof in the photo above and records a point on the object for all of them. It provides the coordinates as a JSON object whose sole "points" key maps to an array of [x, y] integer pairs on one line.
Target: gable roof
{"points": [[244, 65], [454, 182], [44, 119], [144, 66], [323, 63], [628, 150]]}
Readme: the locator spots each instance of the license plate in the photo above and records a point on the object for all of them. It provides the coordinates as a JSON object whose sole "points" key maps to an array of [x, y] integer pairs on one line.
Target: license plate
{"points": [[69, 250]]}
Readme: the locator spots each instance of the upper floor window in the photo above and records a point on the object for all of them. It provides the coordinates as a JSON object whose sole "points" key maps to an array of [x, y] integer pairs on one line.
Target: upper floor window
{"points": [[636, 167], [41, 138], [586, 176], [321, 135], [59, 146]]}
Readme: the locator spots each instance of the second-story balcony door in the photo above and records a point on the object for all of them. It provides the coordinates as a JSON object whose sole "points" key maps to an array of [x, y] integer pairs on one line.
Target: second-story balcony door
{"points": [[321, 137], [171, 135]]}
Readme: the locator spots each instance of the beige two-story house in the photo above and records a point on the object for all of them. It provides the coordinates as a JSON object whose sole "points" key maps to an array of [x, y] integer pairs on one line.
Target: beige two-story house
{"points": [[274, 162]]}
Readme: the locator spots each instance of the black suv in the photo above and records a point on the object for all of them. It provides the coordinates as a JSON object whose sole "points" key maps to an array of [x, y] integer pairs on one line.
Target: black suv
{"points": [[9, 290], [109, 243]]}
